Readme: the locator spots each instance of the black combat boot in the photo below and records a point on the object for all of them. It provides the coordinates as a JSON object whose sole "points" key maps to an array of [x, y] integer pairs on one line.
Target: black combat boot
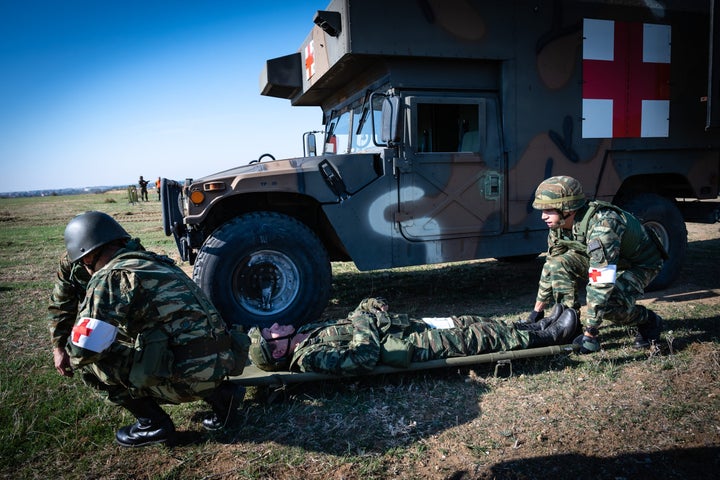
{"points": [[559, 332], [153, 424], [543, 323], [649, 331], [224, 401]]}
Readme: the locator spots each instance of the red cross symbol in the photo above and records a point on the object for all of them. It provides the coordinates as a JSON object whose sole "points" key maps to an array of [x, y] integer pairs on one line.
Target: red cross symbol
{"points": [[81, 329], [309, 59], [594, 274], [626, 80]]}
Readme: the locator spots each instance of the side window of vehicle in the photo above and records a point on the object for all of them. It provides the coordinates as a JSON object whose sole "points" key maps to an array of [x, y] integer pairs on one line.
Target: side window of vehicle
{"points": [[338, 135], [449, 127], [363, 129]]}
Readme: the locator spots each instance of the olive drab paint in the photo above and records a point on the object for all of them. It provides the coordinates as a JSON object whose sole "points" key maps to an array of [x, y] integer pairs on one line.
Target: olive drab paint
{"points": [[441, 119]]}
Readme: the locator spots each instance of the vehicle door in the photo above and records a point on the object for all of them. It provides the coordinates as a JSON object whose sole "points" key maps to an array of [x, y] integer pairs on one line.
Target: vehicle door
{"points": [[451, 177]]}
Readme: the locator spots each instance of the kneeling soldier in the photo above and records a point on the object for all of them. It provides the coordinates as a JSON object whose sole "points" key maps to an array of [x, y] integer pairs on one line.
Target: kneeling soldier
{"points": [[145, 334]]}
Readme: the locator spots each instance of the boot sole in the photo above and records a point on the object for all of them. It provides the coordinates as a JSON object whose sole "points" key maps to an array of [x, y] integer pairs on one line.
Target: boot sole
{"points": [[167, 441]]}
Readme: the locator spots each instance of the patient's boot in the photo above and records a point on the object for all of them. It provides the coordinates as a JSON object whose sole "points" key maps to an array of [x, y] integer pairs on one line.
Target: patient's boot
{"points": [[543, 323], [559, 332]]}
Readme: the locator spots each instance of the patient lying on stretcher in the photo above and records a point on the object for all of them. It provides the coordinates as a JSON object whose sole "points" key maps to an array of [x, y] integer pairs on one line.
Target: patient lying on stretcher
{"points": [[370, 336]]}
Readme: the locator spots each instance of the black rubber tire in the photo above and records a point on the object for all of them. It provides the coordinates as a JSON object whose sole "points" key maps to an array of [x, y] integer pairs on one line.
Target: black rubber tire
{"points": [[270, 249], [661, 215]]}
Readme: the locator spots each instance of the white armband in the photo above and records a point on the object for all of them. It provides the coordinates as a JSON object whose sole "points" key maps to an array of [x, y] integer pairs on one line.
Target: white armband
{"points": [[602, 274], [93, 334]]}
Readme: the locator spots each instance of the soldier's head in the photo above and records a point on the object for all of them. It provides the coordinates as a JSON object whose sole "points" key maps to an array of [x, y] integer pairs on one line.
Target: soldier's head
{"points": [[560, 195], [271, 347], [87, 233]]}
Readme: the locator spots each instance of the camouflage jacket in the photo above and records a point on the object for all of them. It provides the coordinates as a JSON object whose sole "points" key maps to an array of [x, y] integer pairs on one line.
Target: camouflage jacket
{"points": [[611, 237], [349, 346], [69, 290], [149, 299]]}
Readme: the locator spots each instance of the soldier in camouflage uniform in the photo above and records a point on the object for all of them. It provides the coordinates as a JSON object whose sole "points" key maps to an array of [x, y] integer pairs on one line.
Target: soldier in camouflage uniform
{"points": [[370, 336], [600, 246], [145, 334], [68, 292]]}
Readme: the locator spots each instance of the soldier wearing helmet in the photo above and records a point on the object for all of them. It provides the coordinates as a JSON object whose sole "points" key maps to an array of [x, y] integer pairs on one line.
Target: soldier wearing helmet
{"points": [[70, 289], [371, 336], [146, 334], [603, 248]]}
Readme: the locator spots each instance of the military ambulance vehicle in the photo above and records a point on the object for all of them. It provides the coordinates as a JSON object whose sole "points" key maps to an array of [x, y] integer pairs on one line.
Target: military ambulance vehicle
{"points": [[440, 119]]}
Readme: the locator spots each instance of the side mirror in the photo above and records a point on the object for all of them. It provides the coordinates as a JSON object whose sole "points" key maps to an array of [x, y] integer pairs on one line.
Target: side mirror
{"points": [[309, 144], [391, 120]]}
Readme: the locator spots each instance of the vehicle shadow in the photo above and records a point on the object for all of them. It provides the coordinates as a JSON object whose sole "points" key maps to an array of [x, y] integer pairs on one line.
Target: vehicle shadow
{"points": [[680, 463]]}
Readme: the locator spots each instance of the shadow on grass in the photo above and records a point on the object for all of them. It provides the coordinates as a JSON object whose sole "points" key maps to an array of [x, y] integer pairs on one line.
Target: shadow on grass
{"points": [[690, 464], [360, 416]]}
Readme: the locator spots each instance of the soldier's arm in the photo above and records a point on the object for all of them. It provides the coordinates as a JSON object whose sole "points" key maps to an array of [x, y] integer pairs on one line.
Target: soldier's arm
{"points": [[63, 305], [109, 299], [359, 356], [603, 243]]}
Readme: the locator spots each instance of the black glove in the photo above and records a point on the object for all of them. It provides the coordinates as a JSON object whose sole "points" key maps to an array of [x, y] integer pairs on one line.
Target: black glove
{"points": [[535, 316], [588, 342]]}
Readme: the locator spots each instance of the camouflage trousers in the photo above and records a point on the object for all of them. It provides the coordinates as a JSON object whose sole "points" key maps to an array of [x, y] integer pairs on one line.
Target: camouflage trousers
{"points": [[110, 378], [564, 275], [471, 336]]}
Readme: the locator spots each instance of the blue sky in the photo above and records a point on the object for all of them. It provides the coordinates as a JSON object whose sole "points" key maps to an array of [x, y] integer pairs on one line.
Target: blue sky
{"points": [[98, 92]]}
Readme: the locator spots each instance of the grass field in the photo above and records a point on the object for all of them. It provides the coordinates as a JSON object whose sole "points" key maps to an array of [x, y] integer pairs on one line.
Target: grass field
{"points": [[616, 414]]}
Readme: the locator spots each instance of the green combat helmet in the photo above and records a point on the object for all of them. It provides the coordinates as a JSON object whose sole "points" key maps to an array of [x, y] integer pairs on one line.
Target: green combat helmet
{"points": [[559, 193], [261, 354], [90, 230]]}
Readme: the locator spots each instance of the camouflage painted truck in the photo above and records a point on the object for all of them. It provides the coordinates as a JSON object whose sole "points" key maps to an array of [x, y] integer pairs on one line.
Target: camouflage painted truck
{"points": [[440, 119]]}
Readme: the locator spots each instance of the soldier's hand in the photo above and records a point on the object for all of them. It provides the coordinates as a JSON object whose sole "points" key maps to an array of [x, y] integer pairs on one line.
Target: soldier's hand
{"points": [[588, 342], [535, 316], [374, 305], [62, 362]]}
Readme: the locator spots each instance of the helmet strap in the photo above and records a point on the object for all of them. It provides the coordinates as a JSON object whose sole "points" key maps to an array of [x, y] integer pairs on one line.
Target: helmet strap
{"points": [[91, 266]]}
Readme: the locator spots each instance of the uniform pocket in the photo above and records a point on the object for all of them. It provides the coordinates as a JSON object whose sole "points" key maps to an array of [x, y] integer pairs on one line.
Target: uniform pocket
{"points": [[153, 360]]}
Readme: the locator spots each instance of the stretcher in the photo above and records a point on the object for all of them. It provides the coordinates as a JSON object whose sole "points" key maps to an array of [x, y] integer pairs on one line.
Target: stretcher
{"points": [[253, 376]]}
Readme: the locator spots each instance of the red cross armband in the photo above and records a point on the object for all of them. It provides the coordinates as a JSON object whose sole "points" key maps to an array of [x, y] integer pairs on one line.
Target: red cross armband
{"points": [[93, 334], [606, 274]]}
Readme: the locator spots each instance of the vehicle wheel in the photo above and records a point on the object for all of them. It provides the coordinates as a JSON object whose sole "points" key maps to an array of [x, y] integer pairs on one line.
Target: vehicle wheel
{"points": [[660, 215], [263, 268]]}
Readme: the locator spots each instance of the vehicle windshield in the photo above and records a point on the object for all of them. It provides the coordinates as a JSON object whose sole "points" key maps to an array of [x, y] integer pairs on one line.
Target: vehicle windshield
{"points": [[351, 130]]}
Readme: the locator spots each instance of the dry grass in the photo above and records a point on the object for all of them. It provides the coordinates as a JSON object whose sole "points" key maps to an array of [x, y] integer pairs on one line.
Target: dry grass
{"points": [[616, 414]]}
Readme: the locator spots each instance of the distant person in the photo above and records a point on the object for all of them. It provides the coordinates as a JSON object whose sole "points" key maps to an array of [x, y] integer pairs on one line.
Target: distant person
{"points": [[157, 187], [600, 246], [371, 336], [143, 189], [145, 334]]}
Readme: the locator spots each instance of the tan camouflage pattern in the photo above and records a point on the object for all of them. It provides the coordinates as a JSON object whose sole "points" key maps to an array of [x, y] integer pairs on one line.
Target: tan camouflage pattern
{"points": [[404, 207], [444, 203], [141, 293], [625, 243]]}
